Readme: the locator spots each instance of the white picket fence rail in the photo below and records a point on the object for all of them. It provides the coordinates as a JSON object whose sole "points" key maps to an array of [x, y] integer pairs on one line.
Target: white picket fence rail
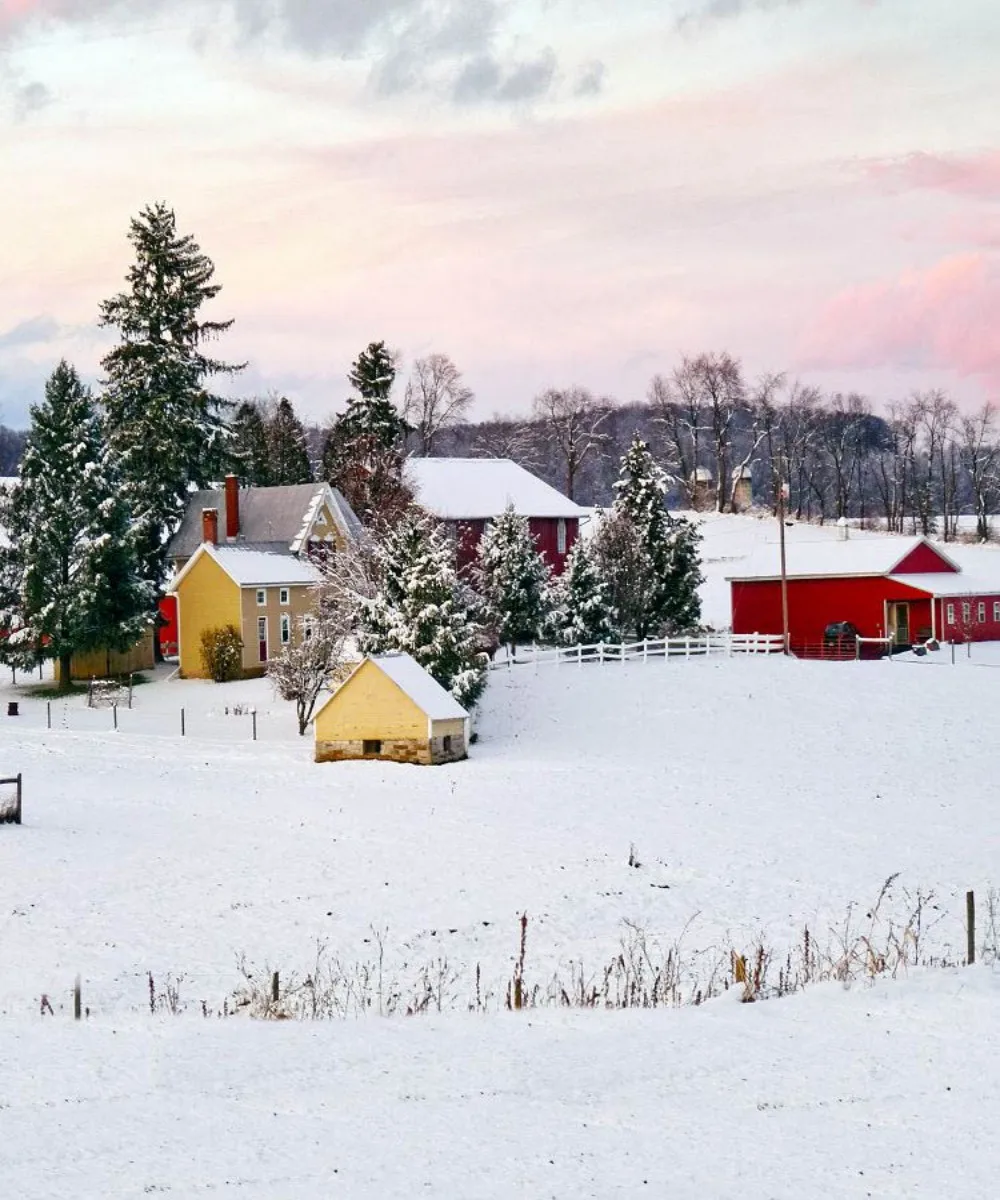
{"points": [[621, 652]]}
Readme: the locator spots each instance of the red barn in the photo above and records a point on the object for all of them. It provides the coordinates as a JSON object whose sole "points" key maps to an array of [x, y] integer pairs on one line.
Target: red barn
{"points": [[903, 588], [465, 493]]}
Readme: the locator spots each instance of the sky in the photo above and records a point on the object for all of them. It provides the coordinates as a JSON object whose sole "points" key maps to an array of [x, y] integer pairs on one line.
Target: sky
{"points": [[552, 192]]}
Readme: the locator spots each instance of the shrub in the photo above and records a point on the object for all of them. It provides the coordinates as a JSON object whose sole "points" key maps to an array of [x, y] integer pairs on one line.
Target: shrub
{"points": [[222, 653]]}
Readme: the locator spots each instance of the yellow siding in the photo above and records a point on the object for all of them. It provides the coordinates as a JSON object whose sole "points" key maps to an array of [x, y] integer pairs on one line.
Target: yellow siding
{"points": [[370, 705], [206, 599], [301, 600], [326, 529]]}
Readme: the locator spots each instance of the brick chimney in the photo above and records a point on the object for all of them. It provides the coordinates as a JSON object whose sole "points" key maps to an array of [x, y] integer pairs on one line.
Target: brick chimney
{"points": [[210, 526], [232, 508]]}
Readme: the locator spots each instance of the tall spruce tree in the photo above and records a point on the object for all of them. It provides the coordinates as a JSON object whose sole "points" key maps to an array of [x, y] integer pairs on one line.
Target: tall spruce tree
{"points": [[249, 452], [165, 428], [73, 545], [288, 457], [363, 450], [420, 609], [649, 560], [511, 578], [579, 600]]}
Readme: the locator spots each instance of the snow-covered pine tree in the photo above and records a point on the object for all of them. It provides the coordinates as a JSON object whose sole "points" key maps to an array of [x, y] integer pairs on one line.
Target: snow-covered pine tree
{"points": [[72, 539], [419, 608], [363, 450], [165, 428], [288, 456], [511, 578], [249, 453], [648, 559], [579, 603]]}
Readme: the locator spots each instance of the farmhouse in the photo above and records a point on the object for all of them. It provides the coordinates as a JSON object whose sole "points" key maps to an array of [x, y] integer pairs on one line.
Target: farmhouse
{"points": [[290, 524], [389, 708], [267, 597], [901, 588], [466, 493]]}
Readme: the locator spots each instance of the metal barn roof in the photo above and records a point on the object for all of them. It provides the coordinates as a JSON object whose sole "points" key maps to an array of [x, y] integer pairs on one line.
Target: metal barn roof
{"points": [[457, 489]]}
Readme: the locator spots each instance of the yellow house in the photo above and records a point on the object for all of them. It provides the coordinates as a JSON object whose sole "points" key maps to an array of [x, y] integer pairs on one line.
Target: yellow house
{"points": [[389, 708], [266, 596]]}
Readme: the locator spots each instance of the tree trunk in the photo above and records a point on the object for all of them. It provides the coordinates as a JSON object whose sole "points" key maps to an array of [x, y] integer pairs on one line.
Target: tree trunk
{"points": [[64, 671]]}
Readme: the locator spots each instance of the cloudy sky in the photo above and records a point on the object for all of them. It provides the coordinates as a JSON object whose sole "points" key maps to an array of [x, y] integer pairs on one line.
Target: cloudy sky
{"points": [[550, 191]]}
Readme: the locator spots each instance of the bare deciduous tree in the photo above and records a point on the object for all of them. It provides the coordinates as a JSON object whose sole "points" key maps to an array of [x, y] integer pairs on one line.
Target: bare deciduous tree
{"points": [[981, 457], [435, 399], [506, 437], [570, 420]]}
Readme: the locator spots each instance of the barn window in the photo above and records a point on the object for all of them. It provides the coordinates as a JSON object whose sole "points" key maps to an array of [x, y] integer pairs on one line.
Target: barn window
{"points": [[981, 612], [261, 597], [951, 614], [371, 746], [966, 612], [446, 743], [286, 629], [996, 610], [283, 596], [561, 536]]}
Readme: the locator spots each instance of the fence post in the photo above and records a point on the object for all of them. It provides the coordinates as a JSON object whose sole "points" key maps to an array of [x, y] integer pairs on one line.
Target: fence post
{"points": [[182, 722], [17, 811], [48, 714], [114, 713], [970, 927], [275, 989], [645, 649], [253, 715], [621, 651], [77, 1000], [687, 647], [579, 654], [600, 652], [131, 676]]}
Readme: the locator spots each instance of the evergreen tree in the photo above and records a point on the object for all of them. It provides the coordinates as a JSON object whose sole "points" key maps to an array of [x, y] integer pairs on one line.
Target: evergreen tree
{"points": [[363, 450], [249, 451], [288, 457], [579, 600], [166, 430], [511, 577], [419, 608], [648, 559], [73, 545]]}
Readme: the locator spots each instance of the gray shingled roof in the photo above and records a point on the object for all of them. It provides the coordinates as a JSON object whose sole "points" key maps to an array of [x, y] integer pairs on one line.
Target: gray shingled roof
{"points": [[271, 518]]}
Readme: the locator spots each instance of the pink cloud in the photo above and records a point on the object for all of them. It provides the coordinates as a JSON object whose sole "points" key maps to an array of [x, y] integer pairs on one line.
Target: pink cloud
{"points": [[942, 318], [975, 175]]}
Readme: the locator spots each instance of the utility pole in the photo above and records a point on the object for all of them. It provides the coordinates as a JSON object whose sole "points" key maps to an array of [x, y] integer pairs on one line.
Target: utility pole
{"points": [[783, 492]]}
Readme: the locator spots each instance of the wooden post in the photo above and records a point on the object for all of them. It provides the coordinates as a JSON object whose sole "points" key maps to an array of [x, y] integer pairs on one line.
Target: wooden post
{"points": [[275, 989], [182, 722], [77, 1003], [114, 711], [17, 813], [970, 927], [48, 714], [131, 675], [253, 715]]}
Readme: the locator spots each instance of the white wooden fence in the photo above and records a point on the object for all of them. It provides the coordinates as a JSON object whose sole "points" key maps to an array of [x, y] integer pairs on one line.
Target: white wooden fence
{"points": [[621, 652]]}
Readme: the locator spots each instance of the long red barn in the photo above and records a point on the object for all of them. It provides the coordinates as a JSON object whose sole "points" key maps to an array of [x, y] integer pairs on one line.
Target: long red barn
{"points": [[903, 588]]}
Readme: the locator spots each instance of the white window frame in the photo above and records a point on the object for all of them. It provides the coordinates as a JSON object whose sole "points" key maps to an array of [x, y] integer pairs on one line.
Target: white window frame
{"points": [[996, 610], [262, 628], [262, 597], [966, 612], [286, 629], [283, 596], [950, 614], [307, 627], [561, 536], [981, 613]]}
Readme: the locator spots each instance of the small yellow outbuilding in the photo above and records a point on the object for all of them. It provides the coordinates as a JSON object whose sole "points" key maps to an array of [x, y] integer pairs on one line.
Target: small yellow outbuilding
{"points": [[389, 708]]}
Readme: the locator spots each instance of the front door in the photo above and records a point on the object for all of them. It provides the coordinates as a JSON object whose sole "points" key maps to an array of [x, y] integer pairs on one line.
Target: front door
{"points": [[899, 623], [262, 638]]}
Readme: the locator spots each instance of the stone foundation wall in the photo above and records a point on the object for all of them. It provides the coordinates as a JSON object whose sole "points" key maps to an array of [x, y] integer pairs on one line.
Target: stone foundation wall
{"points": [[394, 750]]}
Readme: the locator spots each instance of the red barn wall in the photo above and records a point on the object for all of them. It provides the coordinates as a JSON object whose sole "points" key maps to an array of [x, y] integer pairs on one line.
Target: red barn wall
{"points": [[921, 560], [965, 625], [815, 603], [545, 531]]}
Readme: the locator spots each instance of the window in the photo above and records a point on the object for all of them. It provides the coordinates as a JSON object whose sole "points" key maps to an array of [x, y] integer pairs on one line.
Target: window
{"points": [[561, 537], [966, 612], [307, 628], [286, 629], [262, 638], [371, 746], [981, 612], [996, 610], [261, 597], [951, 614], [283, 596], [446, 743]]}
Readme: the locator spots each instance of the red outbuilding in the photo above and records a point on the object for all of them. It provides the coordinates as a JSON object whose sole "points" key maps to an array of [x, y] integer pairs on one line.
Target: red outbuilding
{"points": [[466, 493], [901, 588]]}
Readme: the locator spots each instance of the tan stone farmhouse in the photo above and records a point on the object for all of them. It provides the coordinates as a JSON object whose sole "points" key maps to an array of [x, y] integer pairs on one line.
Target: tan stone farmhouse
{"points": [[389, 708]]}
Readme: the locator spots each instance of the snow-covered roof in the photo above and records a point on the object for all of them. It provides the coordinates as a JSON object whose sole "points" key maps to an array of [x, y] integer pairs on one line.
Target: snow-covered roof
{"points": [[857, 555], [948, 583], [254, 568], [457, 489], [423, 689]]}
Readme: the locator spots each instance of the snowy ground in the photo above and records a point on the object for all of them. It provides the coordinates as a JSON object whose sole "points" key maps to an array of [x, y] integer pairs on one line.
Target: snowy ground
{"points": [[759, 795]]}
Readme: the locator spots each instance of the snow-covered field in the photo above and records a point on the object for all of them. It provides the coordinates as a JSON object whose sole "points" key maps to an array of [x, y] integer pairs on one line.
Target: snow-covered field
{"points": [[758, 795]]}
